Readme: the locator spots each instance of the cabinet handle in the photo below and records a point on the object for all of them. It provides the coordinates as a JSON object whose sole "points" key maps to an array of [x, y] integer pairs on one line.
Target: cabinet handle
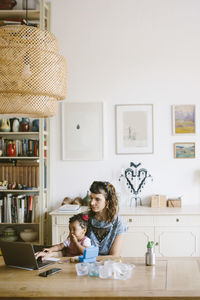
{"points": [[177, 220]]}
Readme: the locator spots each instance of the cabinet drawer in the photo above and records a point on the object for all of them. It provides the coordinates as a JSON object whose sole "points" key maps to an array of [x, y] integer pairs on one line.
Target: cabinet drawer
{"points": [[177, 220], [138, 220]]}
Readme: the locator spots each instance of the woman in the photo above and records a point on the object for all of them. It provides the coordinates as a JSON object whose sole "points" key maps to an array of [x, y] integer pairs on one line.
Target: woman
{"points": [[105, 228]]}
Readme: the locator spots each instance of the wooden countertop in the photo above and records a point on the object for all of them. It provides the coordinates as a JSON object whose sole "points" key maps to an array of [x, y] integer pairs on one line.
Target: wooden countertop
{"points": [[169, 278]]}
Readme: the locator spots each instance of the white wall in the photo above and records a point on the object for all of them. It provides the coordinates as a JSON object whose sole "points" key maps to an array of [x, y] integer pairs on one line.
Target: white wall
{"points": [[123, 52]]}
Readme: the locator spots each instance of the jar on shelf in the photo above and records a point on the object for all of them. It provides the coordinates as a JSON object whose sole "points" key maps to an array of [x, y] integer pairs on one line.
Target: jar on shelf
{"points": [[25, 124], [11, 150], [9, 235]]}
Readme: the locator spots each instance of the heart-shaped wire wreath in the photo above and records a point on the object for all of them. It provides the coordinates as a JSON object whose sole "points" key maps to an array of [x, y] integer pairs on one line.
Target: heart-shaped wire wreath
{"points": [[135, 179]]}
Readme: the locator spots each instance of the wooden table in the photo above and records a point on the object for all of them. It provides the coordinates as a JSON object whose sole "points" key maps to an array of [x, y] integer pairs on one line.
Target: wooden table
{"points": [[170, 278]]}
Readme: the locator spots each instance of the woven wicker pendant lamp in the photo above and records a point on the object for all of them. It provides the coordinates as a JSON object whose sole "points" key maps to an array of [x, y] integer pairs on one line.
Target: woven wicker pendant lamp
{"points": [[32, 72]]}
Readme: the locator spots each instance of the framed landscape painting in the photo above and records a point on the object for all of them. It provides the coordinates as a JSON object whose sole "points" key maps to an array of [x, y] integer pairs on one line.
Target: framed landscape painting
{"points": [[184, 150], [82, 131], [134, 128], [184, 119]]}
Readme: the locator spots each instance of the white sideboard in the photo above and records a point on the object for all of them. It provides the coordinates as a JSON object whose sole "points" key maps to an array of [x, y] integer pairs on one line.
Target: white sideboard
{"points": [[176, 231]]}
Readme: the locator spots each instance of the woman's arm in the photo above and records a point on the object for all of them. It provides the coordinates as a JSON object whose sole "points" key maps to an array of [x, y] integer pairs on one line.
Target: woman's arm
{"points": [[116, 247], [48, 252]]}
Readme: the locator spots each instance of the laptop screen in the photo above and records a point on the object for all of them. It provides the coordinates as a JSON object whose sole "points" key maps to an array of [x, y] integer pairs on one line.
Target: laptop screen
{"points": [[19, 254]]}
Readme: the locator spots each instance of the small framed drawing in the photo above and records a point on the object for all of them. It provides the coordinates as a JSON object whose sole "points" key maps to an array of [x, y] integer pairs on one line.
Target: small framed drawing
{"points": [[183, 120], [184, 150], [134, 128], [82, 131]]}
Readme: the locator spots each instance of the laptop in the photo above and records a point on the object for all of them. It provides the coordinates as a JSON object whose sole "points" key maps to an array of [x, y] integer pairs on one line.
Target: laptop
{"points": [[22, 255]]}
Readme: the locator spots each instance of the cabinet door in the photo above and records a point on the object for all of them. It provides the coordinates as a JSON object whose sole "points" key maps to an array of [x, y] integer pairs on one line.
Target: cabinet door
{"points": [[135, 241], [177, 241], [61, 233]]}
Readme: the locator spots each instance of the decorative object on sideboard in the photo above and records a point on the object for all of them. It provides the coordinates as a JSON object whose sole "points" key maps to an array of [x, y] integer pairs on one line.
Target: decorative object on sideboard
{"points": [[28, 235], [67, 200], [7, 4], [174, 202], [32, 72], [135, 178], [86, 199], [78, 200], [158, 201]]}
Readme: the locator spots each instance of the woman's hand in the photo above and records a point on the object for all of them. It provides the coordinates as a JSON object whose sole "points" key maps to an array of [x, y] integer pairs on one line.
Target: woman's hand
{"points": [[40, 254]]}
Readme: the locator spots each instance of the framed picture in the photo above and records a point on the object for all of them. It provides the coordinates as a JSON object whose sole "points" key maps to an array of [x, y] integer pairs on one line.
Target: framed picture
{"points": [[82, 131], [183, 119], [184, 150], [134, 128]]}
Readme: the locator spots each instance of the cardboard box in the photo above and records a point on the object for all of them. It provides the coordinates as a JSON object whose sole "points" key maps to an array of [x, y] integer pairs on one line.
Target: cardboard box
{"points": [[158, 201], [174, 202]]}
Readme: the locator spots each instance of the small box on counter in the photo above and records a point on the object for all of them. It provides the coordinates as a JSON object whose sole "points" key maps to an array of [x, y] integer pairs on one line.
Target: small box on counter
{"points": [[175, 202], [158, 201]]}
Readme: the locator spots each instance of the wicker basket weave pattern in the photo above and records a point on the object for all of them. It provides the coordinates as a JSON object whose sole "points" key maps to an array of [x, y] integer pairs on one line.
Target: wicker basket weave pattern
{"points": [[32, 73]]}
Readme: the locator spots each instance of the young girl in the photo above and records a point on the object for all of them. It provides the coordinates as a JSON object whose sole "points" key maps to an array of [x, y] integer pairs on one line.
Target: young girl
{"points": [[76, 242], [105, 228]]}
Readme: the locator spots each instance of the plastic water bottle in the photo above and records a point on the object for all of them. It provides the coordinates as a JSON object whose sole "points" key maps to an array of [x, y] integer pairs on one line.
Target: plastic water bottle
{"points": [[150, 257]]}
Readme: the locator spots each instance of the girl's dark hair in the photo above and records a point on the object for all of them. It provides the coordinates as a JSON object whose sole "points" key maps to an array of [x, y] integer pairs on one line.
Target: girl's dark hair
{"points": [[108, 190], [81, 218]]}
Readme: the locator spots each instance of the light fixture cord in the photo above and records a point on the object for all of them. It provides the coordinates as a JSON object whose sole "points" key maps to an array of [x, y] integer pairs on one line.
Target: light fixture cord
{"points": [[26, 12]]}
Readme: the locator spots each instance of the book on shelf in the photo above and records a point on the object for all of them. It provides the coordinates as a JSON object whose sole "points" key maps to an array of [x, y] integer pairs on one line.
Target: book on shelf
{"points": [[9, 215], [19, 209], [1, 210]]}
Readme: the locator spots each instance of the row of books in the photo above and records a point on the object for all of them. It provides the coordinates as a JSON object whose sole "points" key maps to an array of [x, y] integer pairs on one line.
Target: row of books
{"points": [[23, 147], [21, 21], [27, 174], [19, 209]]}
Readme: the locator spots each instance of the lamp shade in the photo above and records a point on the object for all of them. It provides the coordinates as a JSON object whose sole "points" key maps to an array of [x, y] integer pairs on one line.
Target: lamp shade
{"points": [[32, 72]]}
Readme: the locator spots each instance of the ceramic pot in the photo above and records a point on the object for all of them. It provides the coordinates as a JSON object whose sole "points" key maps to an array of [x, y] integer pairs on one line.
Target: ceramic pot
{"points": [[5, 125], [28, 235], [35, 125], [11, 151], [15, 124], [9, 235], [7, 4], [25, 124]]}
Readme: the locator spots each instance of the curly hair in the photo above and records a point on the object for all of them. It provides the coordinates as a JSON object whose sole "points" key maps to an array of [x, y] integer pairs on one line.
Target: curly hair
{"points": [[108, 190], [81, 219]]}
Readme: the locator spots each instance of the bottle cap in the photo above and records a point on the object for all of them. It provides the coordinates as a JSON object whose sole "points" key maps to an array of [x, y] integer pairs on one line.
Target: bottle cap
{"points": [[150, 244]]}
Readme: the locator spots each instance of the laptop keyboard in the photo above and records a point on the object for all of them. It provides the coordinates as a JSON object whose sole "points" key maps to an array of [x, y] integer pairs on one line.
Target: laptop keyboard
{"points": [[43, 263]]}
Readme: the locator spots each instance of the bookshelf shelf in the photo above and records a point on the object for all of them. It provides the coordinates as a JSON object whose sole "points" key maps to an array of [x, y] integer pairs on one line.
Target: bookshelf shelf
{"points": [[32, 14], [19, 133], [20, 191], [19, 157]]}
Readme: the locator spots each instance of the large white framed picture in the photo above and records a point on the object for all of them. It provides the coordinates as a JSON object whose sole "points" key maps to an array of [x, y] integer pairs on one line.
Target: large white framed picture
{"points": [[82, 131], [134, 128]]}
